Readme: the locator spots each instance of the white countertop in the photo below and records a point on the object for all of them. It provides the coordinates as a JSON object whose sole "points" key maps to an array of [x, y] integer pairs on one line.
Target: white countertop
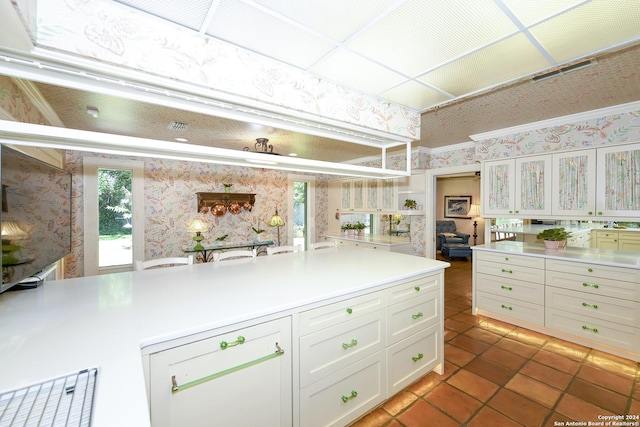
{"points": [[104, 321], [368, 238], [596, 256]]}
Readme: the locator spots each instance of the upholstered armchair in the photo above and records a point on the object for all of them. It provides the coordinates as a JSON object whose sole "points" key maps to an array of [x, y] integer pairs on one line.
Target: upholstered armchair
{"points": [[446, 232]]}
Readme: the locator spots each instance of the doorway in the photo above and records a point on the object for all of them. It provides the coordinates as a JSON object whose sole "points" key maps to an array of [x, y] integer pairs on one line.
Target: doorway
{"points": [[301, 224]]}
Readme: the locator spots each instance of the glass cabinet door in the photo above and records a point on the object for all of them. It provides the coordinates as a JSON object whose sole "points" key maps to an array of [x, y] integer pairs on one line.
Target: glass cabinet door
{"points": [[574, 189], [619, 181], [358, 194], [372, 194], [533, 185], [346, 195], [498, 187], [389, 195]]}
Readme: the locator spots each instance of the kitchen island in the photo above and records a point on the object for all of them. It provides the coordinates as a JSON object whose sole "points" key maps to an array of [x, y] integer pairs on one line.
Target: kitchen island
{"points": [[117, 322], [584, 295]]}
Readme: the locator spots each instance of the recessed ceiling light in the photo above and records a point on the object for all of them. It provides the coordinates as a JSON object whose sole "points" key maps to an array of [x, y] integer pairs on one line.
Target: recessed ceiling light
{"points": [[180, 139]]}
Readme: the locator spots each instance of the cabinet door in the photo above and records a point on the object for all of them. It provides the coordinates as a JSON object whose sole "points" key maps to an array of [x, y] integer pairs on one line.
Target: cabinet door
{"points": [[359, 195], [574, 184], [388, 195], [498, 187], [215, 382], [372, 189], [606, 239], [533, 185], [347, 195], [629, 241], [619, 181]]}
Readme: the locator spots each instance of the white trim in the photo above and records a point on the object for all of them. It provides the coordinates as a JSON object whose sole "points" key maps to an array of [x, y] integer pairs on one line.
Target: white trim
{"points": [[431, 175], [557, 121], [90, 193], [33, 94], [311, 207]]}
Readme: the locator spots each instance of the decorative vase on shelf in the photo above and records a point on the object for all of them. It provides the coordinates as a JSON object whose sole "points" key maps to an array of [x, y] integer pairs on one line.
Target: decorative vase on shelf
{"points": [[553, 244]]}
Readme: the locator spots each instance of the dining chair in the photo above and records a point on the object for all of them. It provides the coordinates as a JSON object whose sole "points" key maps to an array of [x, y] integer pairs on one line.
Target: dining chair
{"points": [[324, 245], [220, 256], [283, 249], [162, 262]]}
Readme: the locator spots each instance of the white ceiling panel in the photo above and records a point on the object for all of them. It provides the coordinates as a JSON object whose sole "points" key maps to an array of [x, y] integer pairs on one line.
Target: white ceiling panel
{"points": [[413, 94], [337, 19], [501, 62], [356, 72], [423, 34], [190, 14], [531, 12], [246, 26], [588, 28]]}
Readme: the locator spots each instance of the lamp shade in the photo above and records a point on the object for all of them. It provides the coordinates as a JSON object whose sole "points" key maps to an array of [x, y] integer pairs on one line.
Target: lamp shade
{"points": [[276, 220], [474, 211], [197, 226], [11, 231]]}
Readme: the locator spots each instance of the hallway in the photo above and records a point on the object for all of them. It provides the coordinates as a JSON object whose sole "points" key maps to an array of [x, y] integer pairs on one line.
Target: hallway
{"points": [[497, 374]]}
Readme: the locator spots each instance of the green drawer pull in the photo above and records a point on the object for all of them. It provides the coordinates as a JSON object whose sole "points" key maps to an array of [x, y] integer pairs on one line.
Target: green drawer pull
{"points": [[586, 328], [590, 213], [418, 357], [589, 285], [507, 271], [354, 394], [353, 343], [349, 310], [175, 388], [507, 288], [590, 270], [417, 288], [417, 315], [224, 345], [594, 306], [506, 258], [506, 307]]}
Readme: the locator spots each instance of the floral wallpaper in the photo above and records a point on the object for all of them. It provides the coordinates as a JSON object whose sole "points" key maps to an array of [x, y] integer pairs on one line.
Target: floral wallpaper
{"points": [[606, 130], [107, 32]]}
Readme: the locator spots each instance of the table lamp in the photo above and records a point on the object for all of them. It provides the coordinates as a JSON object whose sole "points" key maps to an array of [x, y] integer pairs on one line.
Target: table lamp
{"points": [[11, 232], [198, 227], [277, 221], [474, 212]]}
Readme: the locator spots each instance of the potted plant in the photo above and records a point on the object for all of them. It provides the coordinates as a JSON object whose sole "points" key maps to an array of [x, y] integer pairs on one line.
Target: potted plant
{"points": [[358, 227], [258, 232], [410, 204], [349, 228], [554, 238]]}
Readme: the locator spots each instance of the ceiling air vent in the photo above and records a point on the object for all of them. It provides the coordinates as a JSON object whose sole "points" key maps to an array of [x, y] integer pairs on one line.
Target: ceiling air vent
{"points": [[178, 126], [564, 70]]}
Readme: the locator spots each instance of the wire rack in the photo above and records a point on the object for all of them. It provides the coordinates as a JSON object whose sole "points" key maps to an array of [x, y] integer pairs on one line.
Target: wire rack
{"points": [[63, 401]]}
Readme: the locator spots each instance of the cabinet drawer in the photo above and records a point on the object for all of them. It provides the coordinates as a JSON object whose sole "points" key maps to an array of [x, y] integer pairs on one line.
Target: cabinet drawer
{"points": [[611, 287], [511, 272], [522, 310], [588, 270], [408, 317], [334, 348], [340, 312], [412, 358], [517, 289], [597, 306], [508, 259], [340, 398], [413, 288], [602, 331]]}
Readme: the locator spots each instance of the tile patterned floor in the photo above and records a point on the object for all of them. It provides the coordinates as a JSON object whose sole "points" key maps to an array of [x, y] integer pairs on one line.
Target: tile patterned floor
{"points": [[497, 374]]}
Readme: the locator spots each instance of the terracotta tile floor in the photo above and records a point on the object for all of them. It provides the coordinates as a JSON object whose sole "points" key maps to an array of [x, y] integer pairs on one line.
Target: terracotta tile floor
{"points": [[497, 374]]}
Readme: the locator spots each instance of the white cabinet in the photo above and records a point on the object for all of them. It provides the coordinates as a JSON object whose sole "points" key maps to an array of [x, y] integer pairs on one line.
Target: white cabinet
{"points": [[353, 195], [618, 181], [366, 195], [411, 188], [517, 187], [209, 382], [618, 240], [574, 184]]}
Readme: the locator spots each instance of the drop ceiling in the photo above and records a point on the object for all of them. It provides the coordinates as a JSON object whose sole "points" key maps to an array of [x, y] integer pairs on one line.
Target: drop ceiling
{"points": [[467, 66]]}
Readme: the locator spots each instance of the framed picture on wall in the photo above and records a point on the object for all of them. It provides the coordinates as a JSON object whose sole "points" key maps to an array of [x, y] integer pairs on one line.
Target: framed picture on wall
{"points": [[456, 206]]}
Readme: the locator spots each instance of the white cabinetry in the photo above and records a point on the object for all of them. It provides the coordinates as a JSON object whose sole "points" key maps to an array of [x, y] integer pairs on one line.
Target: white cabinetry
{"points": [[209, 382], [357, 352], [365, 195], [411, 188], [580, 301], [520, 186], [574, 183], [353, 195], [618, 240], [618, 181]]}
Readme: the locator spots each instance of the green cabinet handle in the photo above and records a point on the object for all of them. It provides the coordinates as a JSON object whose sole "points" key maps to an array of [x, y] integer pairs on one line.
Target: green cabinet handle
{"points": [[590, 213], [506, 258], [594, 306], [353, 395], [506, 307], [418, 357], [417, 288], [507, 288], [589, 285], [224, 345], [417, 315], [353, 343], [504, 270], [586, 328], [349, 310], [590, 270]]}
